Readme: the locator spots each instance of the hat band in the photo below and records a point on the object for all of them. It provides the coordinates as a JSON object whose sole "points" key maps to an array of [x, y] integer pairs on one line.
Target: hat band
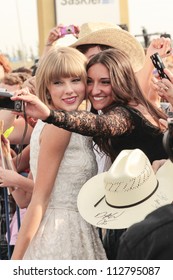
{"points": [[130, 205]]}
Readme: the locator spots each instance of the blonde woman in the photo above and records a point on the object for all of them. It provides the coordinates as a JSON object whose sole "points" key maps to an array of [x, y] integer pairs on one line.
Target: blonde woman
{"points": [[61, 162]]}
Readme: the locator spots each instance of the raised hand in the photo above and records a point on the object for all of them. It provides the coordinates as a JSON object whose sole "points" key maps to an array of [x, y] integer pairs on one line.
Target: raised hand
{"points": [[160, 45], [165, 87]]}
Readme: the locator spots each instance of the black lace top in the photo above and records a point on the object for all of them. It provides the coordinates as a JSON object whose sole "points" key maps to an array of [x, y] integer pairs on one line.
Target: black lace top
{"points": [[121, 127]]}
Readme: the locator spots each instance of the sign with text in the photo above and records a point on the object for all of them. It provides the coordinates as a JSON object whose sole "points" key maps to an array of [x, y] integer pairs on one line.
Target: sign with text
{"points": [[78, 12]]}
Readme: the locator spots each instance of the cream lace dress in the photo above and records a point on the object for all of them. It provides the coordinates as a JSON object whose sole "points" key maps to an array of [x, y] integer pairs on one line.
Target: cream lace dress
{"points": [[63, 234]]}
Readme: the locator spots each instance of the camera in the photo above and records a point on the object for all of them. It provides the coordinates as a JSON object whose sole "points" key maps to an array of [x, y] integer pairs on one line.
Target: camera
{"points": [[7, 104], [158, 64], [71, 29]]}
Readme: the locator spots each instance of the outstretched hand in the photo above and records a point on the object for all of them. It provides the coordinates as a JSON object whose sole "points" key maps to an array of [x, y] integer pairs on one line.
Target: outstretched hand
{"points": [[56, 33], [165, 87], [34, 107]]}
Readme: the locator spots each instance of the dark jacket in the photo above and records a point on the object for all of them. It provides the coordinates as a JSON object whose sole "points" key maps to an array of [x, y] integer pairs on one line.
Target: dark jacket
{"points": [[150, 239]]}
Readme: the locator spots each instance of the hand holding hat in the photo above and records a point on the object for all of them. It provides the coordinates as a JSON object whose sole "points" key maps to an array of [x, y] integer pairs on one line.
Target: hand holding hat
{"points": [[127, 192]]}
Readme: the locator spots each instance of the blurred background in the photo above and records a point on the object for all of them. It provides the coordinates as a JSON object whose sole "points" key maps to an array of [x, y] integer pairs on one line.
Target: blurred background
{"points": [[24, 25]]}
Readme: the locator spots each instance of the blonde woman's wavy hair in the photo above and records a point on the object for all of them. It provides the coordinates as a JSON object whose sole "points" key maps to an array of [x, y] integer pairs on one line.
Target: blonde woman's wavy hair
{"points": [[59, 62]]}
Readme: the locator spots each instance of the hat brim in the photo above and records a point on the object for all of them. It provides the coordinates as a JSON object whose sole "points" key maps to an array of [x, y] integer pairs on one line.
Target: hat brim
{"points": [[105, 216], [116, 38], [66, 40]]}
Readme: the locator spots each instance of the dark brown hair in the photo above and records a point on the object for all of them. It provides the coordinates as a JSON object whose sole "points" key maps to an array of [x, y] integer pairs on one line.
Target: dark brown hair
{"points": [[125, 87], [84, 48]]}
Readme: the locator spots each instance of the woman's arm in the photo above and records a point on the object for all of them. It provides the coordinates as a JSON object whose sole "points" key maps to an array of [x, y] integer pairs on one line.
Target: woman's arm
{"points": [[116, 122], [23, 193], [19, 186], [51, 153], [21, 161]]}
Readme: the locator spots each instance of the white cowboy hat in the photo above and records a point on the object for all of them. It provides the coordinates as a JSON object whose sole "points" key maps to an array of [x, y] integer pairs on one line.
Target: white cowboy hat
{"points": [[112, 35], [127, 192]]}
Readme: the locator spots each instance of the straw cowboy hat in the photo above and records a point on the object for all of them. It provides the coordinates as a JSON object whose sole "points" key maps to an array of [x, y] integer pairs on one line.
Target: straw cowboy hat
{"points": [[66, 40], [127, 192], [112, 35]]}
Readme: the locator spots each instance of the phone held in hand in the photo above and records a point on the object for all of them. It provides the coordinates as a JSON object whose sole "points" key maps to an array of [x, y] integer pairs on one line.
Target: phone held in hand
{"points": [[159, 65]]}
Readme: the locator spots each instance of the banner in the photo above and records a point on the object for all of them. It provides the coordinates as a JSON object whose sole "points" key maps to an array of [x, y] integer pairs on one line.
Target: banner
{"points": [[78, 12]]}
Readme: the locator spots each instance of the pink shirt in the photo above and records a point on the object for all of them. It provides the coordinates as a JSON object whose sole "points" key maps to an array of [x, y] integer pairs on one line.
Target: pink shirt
{"points": [[14, 226]]}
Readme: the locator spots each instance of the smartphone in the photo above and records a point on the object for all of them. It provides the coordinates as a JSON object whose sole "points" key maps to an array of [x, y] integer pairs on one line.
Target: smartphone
{"points": [[159, 65], [71, 29], [7, 104]]}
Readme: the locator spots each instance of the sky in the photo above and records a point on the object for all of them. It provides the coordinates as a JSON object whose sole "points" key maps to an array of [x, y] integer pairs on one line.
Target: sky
{"points": [[19, 29], [18, 26], [154, 15]]}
